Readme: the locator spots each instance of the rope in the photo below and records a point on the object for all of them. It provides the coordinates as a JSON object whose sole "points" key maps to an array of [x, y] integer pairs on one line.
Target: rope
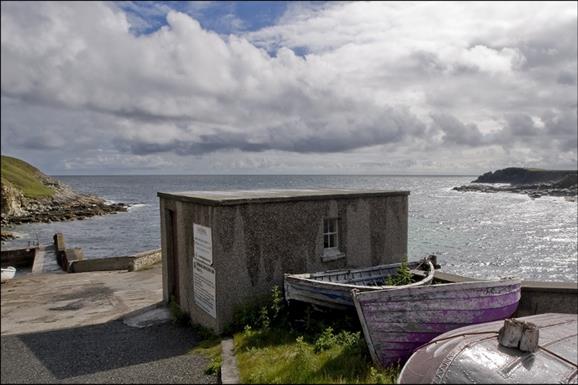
{"points": [[450, 337], [559, 356]]}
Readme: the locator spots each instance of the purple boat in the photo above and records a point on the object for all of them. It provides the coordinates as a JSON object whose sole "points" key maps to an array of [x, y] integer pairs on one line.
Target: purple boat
{"points": [[397, 322]]}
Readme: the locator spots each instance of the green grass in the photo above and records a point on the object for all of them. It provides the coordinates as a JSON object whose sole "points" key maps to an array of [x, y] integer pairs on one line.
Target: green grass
{"points": [[301, 344], [24, 177], [276, 357]]}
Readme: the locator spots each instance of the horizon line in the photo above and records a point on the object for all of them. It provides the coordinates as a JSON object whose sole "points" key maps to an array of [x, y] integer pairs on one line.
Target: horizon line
{"points": [[164, 174]]}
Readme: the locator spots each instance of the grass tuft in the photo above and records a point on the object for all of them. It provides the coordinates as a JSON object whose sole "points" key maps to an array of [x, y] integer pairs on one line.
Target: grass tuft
{"points": [[302, 344]]}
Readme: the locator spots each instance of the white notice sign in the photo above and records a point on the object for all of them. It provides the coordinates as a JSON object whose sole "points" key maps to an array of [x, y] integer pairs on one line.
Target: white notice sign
{"points": [[204, 287], [203, 243]]}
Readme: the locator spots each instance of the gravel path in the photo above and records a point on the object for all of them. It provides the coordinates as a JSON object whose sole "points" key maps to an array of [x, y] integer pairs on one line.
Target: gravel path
{"points": [[105, 353]]}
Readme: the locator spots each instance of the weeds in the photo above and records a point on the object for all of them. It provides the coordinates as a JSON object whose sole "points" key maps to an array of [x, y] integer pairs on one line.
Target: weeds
{"points": [[298, 343], [403, 275]]}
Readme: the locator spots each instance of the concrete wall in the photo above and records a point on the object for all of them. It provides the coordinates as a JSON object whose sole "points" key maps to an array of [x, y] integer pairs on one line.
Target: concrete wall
{"points": [[254, 244], [548, 297], [100, 264], [145, 259], [131, 262], [536, 297]]}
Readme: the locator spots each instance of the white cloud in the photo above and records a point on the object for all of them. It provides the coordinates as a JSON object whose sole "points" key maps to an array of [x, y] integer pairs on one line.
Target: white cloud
{"points": [[381, 77]]}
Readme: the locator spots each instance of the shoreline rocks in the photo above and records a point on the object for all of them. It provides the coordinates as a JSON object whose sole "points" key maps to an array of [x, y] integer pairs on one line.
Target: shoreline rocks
{"points": [[551, 183], [533, 191], [6, 236], [84, 207]]}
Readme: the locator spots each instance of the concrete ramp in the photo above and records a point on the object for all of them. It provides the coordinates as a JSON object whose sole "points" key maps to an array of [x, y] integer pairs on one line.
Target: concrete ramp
{"points": [[45, 260], [50, 301]]}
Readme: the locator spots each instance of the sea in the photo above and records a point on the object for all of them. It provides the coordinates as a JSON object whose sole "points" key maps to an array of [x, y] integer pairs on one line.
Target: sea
{"points": [[480, 235]]}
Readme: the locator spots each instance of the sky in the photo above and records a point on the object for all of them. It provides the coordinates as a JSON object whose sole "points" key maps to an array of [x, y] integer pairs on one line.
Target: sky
{"points": [[457, 88]]}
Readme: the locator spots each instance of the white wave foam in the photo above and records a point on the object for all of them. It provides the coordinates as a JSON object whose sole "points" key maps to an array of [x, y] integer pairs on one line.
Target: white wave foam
{"points": [[137, 205]]}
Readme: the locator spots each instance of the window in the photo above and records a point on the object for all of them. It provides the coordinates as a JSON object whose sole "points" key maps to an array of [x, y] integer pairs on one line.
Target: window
{"points": [[330, 236], [331, 250]]}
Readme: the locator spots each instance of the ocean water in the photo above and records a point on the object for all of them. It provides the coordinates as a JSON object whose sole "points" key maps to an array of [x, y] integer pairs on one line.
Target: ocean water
{"points": [[474, 234]]}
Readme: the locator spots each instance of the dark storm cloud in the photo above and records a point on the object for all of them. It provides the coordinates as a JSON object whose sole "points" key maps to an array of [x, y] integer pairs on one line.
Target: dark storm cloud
{"points": [[319, 136], [456, 132]]}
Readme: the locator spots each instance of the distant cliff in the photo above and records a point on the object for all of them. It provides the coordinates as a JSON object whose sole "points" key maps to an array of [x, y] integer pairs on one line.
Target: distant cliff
{"points": [[533, 182], [518, 176], [28, 195]]}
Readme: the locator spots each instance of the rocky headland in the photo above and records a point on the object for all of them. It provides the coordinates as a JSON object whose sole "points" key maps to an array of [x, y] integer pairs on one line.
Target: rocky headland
{"points": [[533, 182], [28, 196]]}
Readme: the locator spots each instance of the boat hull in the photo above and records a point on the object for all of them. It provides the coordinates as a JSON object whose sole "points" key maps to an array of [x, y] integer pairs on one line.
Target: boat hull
{"points": [[8, 273], [473, 354], [333, 289], [397, 322]]}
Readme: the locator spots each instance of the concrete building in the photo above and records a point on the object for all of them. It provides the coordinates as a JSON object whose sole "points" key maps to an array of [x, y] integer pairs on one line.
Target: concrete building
{"points": [[223, 249]]}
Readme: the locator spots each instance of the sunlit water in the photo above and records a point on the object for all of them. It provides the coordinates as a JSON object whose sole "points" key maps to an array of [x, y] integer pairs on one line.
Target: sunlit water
{"points": [[475, 234]]}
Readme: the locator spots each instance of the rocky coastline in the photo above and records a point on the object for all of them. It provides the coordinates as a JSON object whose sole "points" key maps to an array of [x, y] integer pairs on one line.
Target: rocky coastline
{"points": [[551, 183], [61, 203], [74, 209]]}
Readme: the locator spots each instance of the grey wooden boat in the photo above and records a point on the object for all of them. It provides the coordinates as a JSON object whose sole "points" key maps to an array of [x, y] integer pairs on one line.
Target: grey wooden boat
{"points": [[472, 354], [396, 322], [333, 288]]}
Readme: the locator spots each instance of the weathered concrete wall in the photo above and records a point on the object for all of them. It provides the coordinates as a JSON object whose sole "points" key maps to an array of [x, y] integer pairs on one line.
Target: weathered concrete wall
{"points": [[100, 264], [71, 256], [145, 259], [130, 262], [548, 297], [536, 297], [258, 243], [187, 215], [254, 244]]}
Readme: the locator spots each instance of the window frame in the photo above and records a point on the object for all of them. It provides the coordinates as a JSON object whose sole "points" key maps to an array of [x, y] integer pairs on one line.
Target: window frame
{"points": [[330, 232], [332, 237]]}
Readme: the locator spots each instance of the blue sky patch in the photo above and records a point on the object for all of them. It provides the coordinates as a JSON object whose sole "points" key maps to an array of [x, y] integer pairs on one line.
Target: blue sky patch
{"points": [[223, 17]]}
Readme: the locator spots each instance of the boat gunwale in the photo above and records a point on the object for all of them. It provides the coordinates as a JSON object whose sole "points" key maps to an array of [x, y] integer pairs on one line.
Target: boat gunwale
{"points": [[347, 286], [445, 286], [412, 266]]}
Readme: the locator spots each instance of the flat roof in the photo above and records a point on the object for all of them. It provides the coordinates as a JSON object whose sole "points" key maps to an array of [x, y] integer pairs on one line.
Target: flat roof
{"points": [[236, 197]]}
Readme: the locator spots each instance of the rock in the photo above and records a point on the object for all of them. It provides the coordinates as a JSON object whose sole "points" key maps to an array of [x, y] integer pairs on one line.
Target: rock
{"points": [[48, 199], [12, 200], [61, 207], [518, 175], [7, 235], [566, 187]]}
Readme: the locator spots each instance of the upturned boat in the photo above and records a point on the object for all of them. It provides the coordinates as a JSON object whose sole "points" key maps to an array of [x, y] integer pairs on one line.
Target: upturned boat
{"points": [[333, 288], [474, 355], [396, 322]]}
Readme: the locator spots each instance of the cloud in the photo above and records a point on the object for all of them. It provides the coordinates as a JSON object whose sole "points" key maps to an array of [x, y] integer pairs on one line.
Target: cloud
{"points": [[370, 78]]}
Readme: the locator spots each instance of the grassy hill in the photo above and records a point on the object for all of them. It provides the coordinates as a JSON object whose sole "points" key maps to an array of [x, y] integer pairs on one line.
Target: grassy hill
{"points": [[25, 178]]}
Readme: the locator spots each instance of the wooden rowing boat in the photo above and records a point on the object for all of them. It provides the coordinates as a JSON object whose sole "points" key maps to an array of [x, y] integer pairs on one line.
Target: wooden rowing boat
{"points": [[396, 322], [333, 288]]}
